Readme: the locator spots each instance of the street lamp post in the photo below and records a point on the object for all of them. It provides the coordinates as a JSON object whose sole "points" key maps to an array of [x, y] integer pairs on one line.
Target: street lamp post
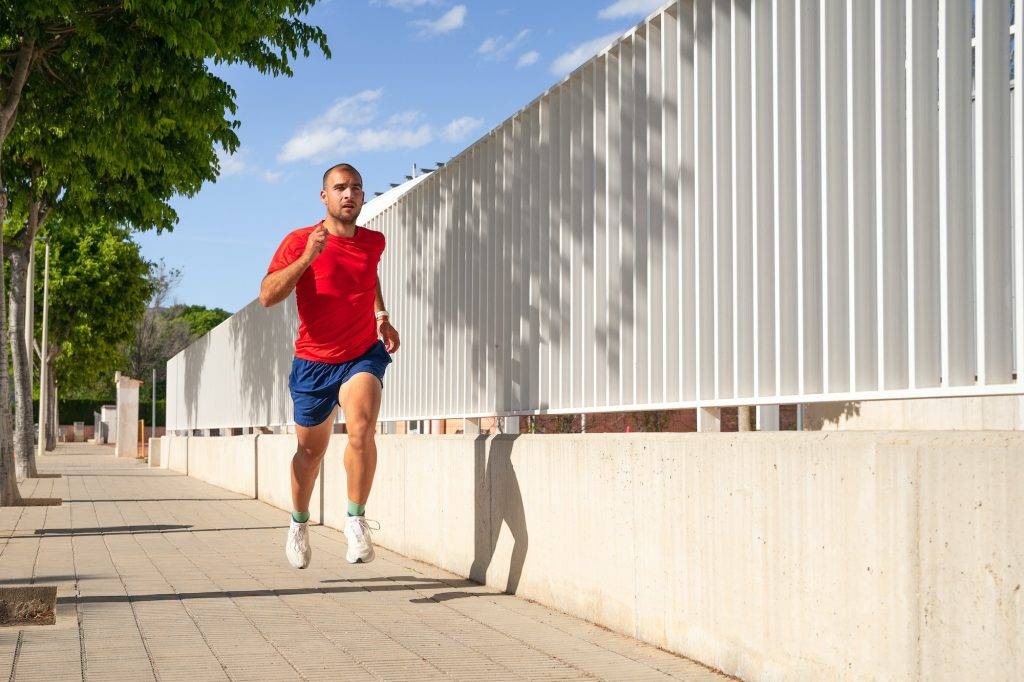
{"points": [[43, 370]]}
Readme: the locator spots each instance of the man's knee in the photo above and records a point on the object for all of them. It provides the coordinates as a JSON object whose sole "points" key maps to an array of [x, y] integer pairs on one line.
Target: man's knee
{"points": [[308, 456], [360, 434]]}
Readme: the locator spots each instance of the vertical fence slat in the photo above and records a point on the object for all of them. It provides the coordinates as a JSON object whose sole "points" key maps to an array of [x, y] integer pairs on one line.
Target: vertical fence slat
{"points": [[787, 337], [601, 230], [689, 359], [671, 180], [635, 380], [704, 284], [992, 192], [722, 230], [627, 225], [653, 336], [763, 197], [890, 188], [809, 207], [955, 185], [1018, 190], [861, 196], [834, 166], [742, 168], [923, 193], [577, 347]]}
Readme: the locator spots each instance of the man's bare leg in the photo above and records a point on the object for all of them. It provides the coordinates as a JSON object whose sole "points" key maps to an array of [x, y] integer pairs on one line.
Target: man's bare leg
{"points": [[360, 400], [309, 453]]}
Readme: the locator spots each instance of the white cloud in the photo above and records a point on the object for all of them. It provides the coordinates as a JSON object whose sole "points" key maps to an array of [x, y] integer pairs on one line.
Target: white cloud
{"points": [[570, 60], [528, 59], [273, 177], [497, 47], [406, 4], [405, 118], [461, 128], [446, 23], [231, 164], [630, 8], [354, 124]]}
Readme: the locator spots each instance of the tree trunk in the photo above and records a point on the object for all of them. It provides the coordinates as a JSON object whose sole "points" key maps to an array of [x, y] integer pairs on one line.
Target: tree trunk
{"points": [[9, 495], [51, 405], [24, 426]]}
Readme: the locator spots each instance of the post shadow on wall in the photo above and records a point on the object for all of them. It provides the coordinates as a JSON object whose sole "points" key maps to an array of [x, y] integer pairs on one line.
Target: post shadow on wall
{"points": [[497, 501]]}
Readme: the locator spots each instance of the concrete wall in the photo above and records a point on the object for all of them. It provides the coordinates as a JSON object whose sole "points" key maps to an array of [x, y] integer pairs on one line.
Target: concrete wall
{"points": [[986, 413], [176, 449], [228, 462], [767, 555]]}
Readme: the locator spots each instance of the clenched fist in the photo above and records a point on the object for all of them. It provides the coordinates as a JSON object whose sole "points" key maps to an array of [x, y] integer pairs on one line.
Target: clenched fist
{"points": [[315, 243]]}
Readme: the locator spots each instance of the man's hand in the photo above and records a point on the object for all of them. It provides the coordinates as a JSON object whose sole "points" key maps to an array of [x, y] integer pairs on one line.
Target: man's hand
{"points": [[315, 243], [389, 335]]}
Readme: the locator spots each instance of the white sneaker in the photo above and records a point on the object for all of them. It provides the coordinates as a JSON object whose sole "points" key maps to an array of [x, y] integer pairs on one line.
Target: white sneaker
{"points": [[296, 548], [360, 544]]}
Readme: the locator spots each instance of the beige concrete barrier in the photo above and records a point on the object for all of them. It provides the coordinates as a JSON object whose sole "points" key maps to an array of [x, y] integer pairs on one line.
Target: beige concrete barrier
{"points": [[982, 413], [153, 453], [227, 461], [176, 449], [273, 474], [767, 555]]}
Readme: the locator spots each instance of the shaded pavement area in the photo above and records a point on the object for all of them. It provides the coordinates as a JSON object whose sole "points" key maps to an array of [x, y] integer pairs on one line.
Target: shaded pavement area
{"points": [[161, 576]]}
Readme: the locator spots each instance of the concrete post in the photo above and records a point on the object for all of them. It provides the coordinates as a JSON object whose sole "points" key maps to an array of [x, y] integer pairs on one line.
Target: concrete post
{"points": [[108, 425], [745, 417], [79, 432], [767, 417], [127, 443], [709, 419], [471, 427], [509, 424]]}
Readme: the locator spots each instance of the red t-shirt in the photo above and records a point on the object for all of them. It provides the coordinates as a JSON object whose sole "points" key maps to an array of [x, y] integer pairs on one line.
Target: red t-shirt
{"points": [[335, 294]]}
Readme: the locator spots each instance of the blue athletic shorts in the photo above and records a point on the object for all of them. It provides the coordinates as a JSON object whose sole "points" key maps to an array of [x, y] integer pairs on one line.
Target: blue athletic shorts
{"points": [[315, 385]]}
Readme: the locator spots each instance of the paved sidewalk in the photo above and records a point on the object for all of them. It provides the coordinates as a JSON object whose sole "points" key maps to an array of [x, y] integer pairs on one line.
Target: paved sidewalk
{"points": [[164, 577]]}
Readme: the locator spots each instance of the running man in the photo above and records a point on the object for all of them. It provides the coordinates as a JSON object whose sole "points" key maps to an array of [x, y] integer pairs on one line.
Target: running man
{"points": [[344, 345]]}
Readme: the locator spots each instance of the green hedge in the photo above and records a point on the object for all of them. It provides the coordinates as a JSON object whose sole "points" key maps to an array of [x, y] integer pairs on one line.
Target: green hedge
{"points": [[82, 409]]}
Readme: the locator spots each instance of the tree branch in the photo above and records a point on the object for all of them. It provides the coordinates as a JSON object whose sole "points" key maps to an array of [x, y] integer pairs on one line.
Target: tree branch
{"points": [[12, 96]]}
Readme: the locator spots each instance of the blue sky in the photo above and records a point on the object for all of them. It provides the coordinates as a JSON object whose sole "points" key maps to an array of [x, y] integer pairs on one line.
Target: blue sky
{"points": [[410, 81]]}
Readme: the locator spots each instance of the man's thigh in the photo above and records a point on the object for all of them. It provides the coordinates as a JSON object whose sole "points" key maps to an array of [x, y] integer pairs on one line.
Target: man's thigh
{"points": [[313, 440], [360, 400]]}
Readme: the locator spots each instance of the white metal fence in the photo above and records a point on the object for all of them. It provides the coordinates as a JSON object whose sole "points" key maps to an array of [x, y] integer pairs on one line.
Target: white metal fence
{"points": [[738, 202]]}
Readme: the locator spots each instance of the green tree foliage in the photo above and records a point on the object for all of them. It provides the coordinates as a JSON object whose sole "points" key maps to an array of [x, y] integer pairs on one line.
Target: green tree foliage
{"points": [[99, 287], [200, 319]]}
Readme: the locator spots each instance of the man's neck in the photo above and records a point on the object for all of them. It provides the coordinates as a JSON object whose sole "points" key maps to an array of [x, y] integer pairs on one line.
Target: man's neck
{"points": [[338, 228]]}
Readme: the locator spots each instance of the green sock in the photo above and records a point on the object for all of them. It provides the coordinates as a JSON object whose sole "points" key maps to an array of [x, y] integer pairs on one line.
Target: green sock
{"points": [[356, 509], [300, 517]]}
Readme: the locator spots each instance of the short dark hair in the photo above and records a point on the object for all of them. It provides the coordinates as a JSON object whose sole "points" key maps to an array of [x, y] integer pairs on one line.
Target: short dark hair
{"points": [[342, 166]]}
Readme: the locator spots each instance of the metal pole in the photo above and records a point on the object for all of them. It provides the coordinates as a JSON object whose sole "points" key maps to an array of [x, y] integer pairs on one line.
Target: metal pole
{"points": [[43, 373], [30, 311], [152, 429]]}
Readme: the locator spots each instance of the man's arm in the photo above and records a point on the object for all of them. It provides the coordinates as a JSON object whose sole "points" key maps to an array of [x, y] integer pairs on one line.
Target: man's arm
{"points": [[378, 301], [384, 329], [278, 285]]}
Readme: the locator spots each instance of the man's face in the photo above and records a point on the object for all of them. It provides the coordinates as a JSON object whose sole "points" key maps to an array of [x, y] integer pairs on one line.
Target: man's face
{"points": [[343, 195]]}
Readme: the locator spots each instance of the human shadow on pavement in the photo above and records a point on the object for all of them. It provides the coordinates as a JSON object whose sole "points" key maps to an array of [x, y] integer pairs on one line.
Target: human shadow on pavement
{"points": [[497, 500]]}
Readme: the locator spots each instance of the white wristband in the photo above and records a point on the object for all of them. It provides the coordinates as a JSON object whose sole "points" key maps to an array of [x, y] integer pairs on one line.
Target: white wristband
{"points": [[381, 314]]}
